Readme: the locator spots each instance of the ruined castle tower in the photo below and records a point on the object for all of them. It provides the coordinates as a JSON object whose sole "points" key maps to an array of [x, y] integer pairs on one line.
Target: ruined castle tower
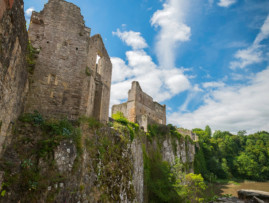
{"points": [[140, 108], [72, 75]]}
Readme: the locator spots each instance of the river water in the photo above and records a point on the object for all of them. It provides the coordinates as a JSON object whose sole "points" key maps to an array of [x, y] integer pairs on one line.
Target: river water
{"points": [[221, 189]]}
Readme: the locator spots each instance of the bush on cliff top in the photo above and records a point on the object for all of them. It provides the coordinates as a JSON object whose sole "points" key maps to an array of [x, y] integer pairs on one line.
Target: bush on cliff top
{"points": [[132, 127]]}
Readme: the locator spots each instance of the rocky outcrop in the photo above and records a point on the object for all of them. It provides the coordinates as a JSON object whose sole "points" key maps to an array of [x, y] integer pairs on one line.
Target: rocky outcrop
{"points": [[246, 196], [13, 67], [253, 196]]}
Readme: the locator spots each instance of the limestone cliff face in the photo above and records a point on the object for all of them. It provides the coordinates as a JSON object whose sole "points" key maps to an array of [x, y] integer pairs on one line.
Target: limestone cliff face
{"points": [[13, 68], [183, 149], [58, 161]]}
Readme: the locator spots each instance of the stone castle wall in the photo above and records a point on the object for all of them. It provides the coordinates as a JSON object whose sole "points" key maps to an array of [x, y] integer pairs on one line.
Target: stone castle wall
{"points": [[141, 108], [185, 132], [68, 81], [13, 68]]}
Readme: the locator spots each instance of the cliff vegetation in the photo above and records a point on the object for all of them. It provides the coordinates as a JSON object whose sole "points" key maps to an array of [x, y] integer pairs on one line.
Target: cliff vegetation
{"points": [[83, 160]]}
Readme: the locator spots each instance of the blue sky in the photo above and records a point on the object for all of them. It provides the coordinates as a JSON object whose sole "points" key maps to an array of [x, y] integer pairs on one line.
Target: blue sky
{"points": [[207, 60]]}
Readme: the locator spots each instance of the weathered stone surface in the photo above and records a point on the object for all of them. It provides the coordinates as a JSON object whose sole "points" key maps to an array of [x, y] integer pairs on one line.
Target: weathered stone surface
{"points": [[68, 81], [138, 165], [253, 195], [183, 150], [65, 155], [185, 132], [13, 71], [141, 108]]}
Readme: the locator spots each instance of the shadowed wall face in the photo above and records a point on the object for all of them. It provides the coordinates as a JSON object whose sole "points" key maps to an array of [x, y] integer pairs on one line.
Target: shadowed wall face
{"points": [[65, 82], [13, 68]]}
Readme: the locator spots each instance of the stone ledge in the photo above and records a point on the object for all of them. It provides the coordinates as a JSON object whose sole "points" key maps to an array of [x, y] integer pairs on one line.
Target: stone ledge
{"points": [[253, 195]]}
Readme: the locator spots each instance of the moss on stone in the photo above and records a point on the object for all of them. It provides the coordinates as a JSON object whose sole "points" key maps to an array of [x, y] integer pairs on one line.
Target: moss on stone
{"points": [[87, 71], [31, 57], [29, 163]]}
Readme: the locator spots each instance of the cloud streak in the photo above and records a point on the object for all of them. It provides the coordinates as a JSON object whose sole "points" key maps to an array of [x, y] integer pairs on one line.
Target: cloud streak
{"points": [[253, 54], [173, 30], [162, 81], [226, 3]]}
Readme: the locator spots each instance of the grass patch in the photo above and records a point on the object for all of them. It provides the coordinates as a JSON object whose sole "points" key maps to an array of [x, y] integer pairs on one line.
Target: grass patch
{"points": [[91, 122]]}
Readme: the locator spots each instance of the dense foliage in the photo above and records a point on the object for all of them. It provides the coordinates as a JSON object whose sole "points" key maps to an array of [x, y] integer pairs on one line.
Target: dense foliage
{"points": [[165, 182], [224, 155]]}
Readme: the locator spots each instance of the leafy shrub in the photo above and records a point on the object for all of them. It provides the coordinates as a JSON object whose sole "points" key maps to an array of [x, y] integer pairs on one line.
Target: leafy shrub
{"points": [[158, 130], [34, 118], [119, 117], [132, 127]]}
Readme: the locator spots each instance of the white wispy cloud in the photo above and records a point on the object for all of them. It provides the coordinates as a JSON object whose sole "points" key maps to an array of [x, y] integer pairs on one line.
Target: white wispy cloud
{"points": [[242, 77], [213, 84], [247, 57], [160, 83], [226, 3], [193, 93], [132, 39], [232, 108], [173, 30], [254, 53], [28, 14], [29, 11], [264, 33]]}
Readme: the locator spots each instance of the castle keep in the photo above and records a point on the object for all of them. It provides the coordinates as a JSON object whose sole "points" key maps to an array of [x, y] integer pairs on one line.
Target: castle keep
{"points": [[141, 108], [72, 75]]}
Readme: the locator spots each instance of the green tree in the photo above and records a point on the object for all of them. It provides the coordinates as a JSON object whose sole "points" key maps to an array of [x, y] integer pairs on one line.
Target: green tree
{"points": [[208, 131], [188, 186]]}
